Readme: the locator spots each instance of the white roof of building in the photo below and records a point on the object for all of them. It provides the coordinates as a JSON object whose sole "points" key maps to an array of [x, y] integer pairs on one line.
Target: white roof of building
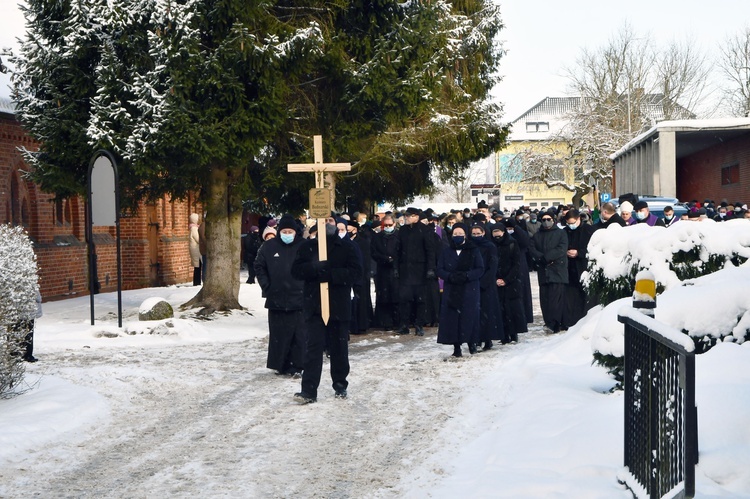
{"points": [[7, 106], [686, 126]]}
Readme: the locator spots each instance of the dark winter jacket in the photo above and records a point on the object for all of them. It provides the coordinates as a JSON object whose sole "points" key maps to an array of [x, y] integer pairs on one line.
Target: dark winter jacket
{"points": [[578, 239], [251, 244], [341, 271], [615, 219], [416, 253], [459, 312], [508, 267], [549, 252], [273, 270], [385, 250], [490, 314]]}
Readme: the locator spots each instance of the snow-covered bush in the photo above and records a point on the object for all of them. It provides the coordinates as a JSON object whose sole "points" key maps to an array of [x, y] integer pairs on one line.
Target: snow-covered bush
{"points": [[684, 251], [686, 255], [18, 288]]}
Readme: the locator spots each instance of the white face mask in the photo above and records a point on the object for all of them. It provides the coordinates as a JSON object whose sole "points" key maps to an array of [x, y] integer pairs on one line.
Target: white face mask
{"points": [[342, 235]]}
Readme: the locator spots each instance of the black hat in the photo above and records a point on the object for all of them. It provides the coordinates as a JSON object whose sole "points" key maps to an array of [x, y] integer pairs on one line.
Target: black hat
{"points": [[461, 225], [287, 222], [640, 205], [482, 204], [413, 211], [313, 229], [693, 214], [353, 223], [479, 217], [509, 222], [500, 227]]}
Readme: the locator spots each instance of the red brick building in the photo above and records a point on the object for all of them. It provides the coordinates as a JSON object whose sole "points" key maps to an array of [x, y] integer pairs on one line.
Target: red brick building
{"points": [[154, 243], [688, 159]]}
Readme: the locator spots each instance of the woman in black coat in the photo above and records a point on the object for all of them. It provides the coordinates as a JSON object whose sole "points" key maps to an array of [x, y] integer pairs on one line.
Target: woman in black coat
{"points": [[523, 240], [508, 283], [283, 294], [490, 314], [460, 266]]}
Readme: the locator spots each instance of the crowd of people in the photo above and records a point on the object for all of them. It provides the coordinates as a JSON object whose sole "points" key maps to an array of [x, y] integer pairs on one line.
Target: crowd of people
{"points": [[466, 272]]}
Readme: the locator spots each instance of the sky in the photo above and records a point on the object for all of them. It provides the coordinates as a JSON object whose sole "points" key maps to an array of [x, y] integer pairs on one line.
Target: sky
{"points": [[543, 37], [150, 409]]}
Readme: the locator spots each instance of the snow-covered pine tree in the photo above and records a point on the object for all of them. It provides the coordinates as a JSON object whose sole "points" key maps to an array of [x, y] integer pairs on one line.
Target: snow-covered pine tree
{"points": [[195, 95], [18, 287]]}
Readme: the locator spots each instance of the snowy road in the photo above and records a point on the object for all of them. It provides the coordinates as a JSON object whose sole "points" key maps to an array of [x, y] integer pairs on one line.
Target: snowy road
{"points": [[210, 420]]}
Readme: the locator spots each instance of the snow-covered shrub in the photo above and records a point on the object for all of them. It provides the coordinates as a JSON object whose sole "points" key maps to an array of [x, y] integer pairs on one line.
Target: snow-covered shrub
{"points": [[18, 288], [682, 257], [684, 251]]}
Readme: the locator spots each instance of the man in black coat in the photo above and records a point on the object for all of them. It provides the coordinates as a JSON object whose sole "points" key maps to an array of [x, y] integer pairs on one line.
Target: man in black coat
{"points": [[579, 235], [342, 270], [549, 252], [490, 314], [385, 251], [416, 261], [283, 294], [609, 216]]}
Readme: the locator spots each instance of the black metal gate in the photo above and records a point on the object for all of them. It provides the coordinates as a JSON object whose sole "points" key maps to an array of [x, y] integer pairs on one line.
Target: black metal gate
{"points": [[661, 427]]}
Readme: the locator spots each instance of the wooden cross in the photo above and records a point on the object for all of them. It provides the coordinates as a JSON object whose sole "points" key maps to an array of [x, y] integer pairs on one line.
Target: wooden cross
{"points": [[319, 169]]}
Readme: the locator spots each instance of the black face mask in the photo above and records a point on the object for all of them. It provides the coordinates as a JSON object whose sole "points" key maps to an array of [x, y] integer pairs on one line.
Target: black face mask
{"points": [[497, 238], [547, 224]]}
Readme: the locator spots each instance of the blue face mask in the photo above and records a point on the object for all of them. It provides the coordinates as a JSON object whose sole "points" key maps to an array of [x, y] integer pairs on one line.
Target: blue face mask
{"points": [[389, 229], [477, 238], [572, 226], [287, 238], [458, 240]]}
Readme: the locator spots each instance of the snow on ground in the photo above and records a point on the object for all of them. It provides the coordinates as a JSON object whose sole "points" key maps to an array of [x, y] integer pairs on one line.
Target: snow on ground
{"points": [[188, 409]]}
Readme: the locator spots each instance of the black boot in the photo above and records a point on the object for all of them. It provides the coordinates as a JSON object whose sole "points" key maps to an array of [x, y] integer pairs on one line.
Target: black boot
{"points": [[419, 331], [403, 330], [457, 350], [487, 345], [472, 348]]}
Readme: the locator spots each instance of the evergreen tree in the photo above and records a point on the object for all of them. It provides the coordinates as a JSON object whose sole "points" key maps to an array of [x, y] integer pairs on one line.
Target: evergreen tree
{"points": [[217, 97]]}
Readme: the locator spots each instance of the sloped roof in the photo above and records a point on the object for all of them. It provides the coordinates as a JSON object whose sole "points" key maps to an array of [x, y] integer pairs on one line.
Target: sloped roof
{"points": [[7, 106], [550, 106]]}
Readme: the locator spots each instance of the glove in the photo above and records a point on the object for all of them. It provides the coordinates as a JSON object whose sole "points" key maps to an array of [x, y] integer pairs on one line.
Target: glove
{"points": [[322, 269], [458, 278], [540, 262], [430, 274]]}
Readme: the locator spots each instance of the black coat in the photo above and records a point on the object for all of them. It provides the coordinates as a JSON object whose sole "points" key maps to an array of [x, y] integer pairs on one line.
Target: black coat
{"points": [[550, 247], [251, 244], [273, 269], [416, 253], [341, 271], [578, 240], [508, 266], [524, 243], [490, 314], [615, 219], [385, 251], [459, 312]]}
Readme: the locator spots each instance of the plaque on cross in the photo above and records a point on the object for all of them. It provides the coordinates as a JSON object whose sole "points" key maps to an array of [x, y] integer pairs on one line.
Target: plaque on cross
{"points": [[320, 169]]}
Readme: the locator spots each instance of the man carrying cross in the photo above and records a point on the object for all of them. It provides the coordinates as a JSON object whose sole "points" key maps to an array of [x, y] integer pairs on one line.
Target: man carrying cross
{"points": [[341, 271], [330, 266]]}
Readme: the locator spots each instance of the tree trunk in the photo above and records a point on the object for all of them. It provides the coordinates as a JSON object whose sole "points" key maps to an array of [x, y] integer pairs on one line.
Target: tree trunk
{"points": [[221, 286]]}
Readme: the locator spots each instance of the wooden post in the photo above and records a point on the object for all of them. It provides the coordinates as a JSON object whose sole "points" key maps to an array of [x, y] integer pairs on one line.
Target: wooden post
{"points": [[320, 169]]}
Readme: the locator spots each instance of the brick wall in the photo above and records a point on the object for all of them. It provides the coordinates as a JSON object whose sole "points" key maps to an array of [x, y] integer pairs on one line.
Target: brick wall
{"points": [[699, 175], [58, 231]]}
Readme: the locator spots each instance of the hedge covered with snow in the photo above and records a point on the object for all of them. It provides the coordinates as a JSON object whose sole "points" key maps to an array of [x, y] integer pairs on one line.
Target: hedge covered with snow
{"points": [[702, 270], [18, 288]]}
